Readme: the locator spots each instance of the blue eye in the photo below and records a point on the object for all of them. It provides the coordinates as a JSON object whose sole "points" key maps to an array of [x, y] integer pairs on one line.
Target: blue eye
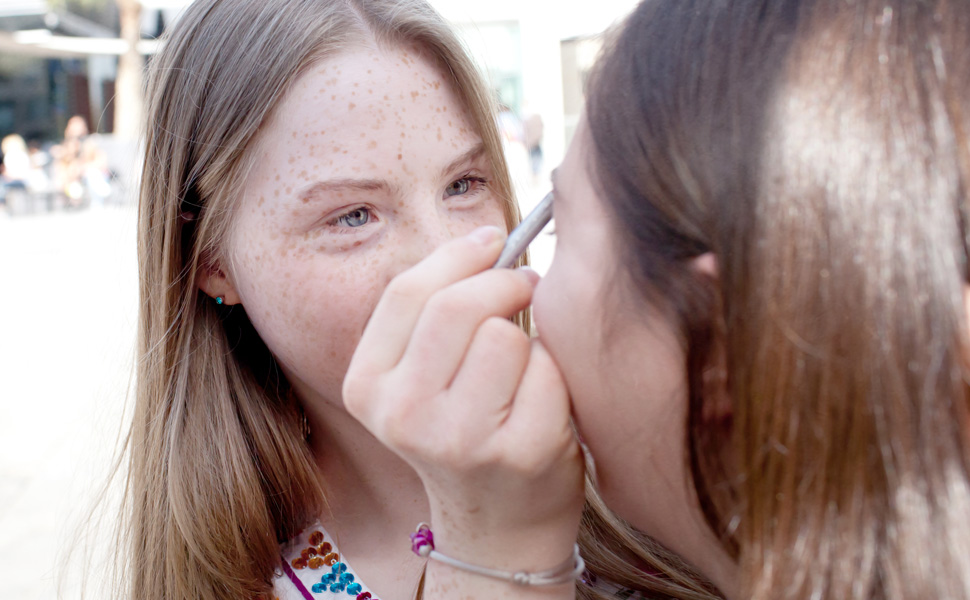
{"points": [[458, 187], [355, 218], [464, 185]]}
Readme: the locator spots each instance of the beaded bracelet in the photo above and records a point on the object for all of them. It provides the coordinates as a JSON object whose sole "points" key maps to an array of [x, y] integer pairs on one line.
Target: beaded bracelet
{"points": [[422, 544]]}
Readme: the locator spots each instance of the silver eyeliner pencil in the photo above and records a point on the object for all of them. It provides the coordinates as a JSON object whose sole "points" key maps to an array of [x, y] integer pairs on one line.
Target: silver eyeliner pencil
{"points": [[522, 236]]}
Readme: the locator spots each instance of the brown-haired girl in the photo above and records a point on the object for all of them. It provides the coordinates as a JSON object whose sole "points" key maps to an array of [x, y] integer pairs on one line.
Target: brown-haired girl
{"points": [[759, 304], [299, 154]]}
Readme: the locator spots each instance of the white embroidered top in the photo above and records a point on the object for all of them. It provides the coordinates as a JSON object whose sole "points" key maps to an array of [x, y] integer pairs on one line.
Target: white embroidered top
{"points": [[314, 570]]}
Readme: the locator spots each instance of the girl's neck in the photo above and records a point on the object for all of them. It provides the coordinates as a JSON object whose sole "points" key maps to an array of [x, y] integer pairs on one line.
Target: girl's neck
{"points": [[374, 500], [366, 485]]}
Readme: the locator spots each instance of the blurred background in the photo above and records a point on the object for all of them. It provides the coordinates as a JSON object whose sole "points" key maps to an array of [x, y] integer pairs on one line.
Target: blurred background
{"points": [[71, 102]]}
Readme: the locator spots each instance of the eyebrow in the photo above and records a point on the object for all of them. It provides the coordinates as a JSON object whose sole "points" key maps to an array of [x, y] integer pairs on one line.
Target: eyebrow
{"points": [[371, 185], [335, 185], [468, 156]]}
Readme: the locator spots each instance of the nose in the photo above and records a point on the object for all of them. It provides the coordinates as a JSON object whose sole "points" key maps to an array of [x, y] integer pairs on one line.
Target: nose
{"points": [[423, 228]]}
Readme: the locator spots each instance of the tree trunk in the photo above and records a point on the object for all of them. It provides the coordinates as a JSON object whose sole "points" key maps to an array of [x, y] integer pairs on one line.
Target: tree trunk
{"points": [[129, 86]]}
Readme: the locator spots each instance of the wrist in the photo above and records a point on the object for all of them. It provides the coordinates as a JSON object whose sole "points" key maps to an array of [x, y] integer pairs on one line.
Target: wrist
{"points": [[564, 573], [533, 547]]}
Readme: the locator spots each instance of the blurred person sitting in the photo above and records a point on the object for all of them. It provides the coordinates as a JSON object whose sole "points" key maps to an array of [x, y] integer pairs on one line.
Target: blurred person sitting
{"points": [[532, 130], [80, 166], [16, 170], [16, 162]]}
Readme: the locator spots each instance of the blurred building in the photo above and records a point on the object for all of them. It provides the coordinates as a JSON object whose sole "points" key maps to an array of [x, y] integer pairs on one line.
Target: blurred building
{"points": [[57, 63], [36, 85], [536, 53]]}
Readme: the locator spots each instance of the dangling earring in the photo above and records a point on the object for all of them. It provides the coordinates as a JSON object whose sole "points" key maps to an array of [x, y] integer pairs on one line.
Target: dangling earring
{"points": [[219, 300]]}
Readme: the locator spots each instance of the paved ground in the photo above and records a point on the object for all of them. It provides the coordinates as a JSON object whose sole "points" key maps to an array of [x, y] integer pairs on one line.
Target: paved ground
{"points": [[67, 330], [67, 321]]}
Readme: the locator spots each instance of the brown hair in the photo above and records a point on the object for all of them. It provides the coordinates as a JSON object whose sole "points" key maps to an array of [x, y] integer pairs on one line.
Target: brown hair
{"points": [[818, 149], [219, 473]]}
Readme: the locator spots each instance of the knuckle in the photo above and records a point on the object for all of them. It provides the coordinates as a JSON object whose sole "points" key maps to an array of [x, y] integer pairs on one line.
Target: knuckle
{"points": [[403, 286], [399, 438], [499, 331], [451, 303], [537, 461], [354, 394], [441, 305], [394, 421]]}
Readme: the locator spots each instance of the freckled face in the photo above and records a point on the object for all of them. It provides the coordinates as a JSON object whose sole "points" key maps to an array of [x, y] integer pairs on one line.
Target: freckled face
{"points": [[368, 164], [620, 358]]}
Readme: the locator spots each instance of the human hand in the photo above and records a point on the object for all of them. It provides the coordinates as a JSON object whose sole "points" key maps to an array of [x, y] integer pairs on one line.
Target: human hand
{"points": [[443, 378]]}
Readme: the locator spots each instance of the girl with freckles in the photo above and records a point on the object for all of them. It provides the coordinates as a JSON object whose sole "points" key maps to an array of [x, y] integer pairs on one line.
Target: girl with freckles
{"points": [[299, 155]]}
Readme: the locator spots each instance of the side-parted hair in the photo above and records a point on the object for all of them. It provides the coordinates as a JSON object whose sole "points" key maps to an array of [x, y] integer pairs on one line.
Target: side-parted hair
{"points": [[819, 149], [218, 471]]}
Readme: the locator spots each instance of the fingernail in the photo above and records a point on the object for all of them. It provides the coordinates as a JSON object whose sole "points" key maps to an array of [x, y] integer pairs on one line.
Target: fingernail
{"points": [[486, 235], [531, 273]]}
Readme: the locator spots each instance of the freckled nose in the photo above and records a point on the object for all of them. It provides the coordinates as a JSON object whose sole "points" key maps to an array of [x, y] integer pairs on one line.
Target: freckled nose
{"points": [[423, 233]]}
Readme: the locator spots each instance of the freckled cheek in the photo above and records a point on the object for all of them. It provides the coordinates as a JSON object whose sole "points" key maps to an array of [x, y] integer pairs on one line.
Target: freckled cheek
{"points": [[464, 222], [315, 328]]}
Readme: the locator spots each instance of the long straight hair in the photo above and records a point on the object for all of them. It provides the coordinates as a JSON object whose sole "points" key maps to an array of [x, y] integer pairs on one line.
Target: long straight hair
{"points": [[218, 471], [819, 149]]}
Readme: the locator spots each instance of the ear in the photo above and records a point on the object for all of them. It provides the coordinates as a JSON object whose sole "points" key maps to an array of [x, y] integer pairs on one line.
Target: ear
{"points": [[705, 263], [717, 402], [214, 281]]}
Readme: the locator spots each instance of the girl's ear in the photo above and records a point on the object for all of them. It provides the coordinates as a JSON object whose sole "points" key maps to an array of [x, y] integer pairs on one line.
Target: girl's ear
{"points": [[705, 263], [717, 402], [214, 281]]}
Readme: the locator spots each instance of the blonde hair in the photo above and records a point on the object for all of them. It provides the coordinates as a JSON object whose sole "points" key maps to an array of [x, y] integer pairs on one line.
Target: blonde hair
{"points": [[819, 149], [219, 471]]}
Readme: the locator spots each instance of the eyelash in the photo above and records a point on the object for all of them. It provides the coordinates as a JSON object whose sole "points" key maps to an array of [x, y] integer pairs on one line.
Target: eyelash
{"points": [[336, 221], [475, 184]]}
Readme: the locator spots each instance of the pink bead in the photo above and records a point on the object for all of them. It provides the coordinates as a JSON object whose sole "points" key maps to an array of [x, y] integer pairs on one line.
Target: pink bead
{"points": [[422, 538]]}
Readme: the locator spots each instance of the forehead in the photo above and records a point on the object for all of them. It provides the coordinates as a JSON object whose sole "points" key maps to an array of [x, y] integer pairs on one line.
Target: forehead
{"points": [[367, 109]]}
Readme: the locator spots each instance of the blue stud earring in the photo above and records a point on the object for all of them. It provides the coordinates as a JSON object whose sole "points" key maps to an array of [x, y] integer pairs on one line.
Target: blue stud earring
{"points": [[218, 299]]}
